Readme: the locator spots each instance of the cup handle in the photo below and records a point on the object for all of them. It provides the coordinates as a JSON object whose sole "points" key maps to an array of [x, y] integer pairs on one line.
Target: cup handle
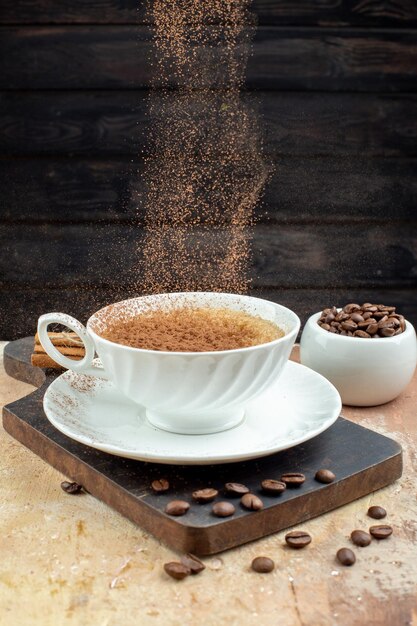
{"points": [[86, 365]]}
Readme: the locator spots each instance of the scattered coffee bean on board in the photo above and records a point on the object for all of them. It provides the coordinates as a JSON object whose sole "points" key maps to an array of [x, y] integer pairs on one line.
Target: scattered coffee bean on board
{"points": [[382, 531], [177, 507], [273, 487], [71, 488], [204, 495], [377, 512], [251, 502], [365, 321], [223, 509], [262, 565], [160, 485], [297, 539], [193, 563], [293, 479], [325, 476], [236, 489], [177, 570], [345, 556], [360, 538]]}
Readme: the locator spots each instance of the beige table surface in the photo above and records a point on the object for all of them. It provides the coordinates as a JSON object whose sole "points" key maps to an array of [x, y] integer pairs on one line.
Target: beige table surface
{"points": [[72, 560]]}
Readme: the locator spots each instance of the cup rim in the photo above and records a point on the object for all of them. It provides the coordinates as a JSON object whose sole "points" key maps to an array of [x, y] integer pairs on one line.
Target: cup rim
{"points": [[312, 320], [282, 339]]}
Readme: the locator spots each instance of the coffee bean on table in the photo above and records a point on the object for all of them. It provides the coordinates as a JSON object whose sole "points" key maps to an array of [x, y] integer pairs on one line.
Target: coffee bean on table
{"points": [[236, 489], [297, 539], [223, 509], [360, 538], [204, 495], [381, 532], [377, 512], [71, 488], [293, 479], [251, 502], [345, 556], [325, 476], [273, 487], [262, 565], [193, 563], [177, 507], [160, 485], [177, 570]]}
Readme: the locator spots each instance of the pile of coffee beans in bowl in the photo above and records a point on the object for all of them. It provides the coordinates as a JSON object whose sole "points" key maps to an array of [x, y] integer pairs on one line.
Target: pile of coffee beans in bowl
{"points": [[367, 321]]}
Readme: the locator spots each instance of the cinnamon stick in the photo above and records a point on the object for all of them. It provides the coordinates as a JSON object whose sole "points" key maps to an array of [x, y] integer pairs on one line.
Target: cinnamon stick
{"points": [[44, 360], [67, 343]]}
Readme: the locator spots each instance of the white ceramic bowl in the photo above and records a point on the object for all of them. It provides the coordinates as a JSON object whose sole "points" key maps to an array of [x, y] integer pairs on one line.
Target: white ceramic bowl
{"points": [[366, 372], [183, 392]]}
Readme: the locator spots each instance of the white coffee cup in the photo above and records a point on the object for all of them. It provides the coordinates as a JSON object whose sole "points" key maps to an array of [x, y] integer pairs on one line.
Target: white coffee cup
{"points": [[183, 392]]}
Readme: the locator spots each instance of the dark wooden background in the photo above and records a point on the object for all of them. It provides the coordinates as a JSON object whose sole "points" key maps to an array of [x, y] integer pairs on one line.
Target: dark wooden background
{"points": [[336, 83]]}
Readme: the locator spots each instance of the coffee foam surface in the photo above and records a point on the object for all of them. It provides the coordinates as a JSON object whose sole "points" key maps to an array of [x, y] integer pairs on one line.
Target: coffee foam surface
{"points": [[187, 328]]}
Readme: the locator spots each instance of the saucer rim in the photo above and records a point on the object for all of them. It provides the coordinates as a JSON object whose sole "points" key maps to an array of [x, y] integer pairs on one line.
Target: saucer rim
{"points": [[234, 457]]}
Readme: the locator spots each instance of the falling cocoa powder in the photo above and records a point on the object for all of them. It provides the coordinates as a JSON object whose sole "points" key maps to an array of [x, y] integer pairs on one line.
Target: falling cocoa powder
{"points": [[206, 170]]}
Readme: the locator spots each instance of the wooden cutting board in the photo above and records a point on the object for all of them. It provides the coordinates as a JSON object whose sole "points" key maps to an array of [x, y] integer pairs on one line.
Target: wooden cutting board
{"points": [[362, 460]]}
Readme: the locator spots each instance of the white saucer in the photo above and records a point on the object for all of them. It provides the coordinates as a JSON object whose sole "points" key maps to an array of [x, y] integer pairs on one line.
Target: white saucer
{"points": [[301, 405]]}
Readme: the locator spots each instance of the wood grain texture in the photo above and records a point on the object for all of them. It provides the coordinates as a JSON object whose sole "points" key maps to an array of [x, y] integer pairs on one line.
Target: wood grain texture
{"points": [[322, 189], [283, 256], [22, 307], [115, 123], [106, 57], [395, 13], [125, 485]]}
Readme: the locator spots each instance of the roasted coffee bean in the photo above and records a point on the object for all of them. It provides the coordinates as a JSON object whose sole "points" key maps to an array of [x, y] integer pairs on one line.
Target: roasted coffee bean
{"points": [[387, 332], [356, 317], [324, 476], [293, 479], [193, 563], [236, 489], [263, 565], [363, 325], [325, 326], [372, 329], [361, 334], [177, 507], [297, 539], [377, 512], [204, 495], [71, 488], [329, 318], [350, 308], [273, 487], [223, 509], [177, 570], [161, 485], [390, 309], [349, 325], [360, 538], [332, 329], [381, 532], [345, 556], [385, 323], [251, 502]]}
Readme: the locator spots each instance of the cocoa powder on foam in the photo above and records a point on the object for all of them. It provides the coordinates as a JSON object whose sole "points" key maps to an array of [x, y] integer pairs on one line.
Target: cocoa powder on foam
{"points": [[192, 330]]}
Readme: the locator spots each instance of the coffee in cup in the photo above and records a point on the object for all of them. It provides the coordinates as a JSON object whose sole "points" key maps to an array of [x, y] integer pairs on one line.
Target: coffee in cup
{"points": [[190, 329]]}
